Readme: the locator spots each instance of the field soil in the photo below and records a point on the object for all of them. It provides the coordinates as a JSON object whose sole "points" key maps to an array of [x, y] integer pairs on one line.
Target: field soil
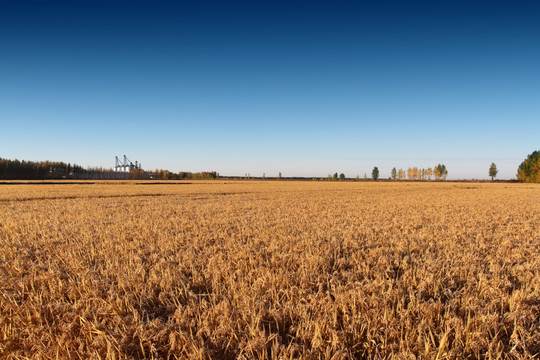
{"points": [[269, 270]]}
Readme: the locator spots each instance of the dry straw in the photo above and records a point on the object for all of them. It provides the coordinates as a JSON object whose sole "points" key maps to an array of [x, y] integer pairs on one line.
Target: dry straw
{"points": [[270, 270]]}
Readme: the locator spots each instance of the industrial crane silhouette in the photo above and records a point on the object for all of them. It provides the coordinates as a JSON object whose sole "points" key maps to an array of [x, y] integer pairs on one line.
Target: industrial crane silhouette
{"points": [[126, 165]]}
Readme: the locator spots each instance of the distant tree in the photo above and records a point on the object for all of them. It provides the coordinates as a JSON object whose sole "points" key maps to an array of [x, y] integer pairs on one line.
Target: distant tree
{"points": [[335, 176], [394, 174], [436, 173], [401, 174], [429, 173], [444, 172], [341, 176], [165, 174], [365, 176], [264, 176], [415, 173], [375, 173], [493, 171], [136, 174], [529, 170], [207, 175], [357, 178], [279, 176], [440, 172], [184, 175]]}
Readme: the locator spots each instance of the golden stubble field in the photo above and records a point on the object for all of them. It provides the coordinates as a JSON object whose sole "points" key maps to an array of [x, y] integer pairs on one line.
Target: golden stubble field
{"points": [[254, 270]]}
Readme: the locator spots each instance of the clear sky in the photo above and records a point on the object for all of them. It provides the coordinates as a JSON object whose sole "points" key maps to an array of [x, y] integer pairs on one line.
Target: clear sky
{"points": [[306, 88]]}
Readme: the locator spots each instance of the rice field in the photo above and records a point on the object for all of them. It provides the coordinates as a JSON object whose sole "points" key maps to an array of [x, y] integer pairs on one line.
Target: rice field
{"points": [[270, 270]]}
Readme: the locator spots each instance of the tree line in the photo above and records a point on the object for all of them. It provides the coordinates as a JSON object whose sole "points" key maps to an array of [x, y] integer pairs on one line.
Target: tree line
{"points": [[439, 172], [55, 170], [161, 174], [528, 171], [42, 170]]}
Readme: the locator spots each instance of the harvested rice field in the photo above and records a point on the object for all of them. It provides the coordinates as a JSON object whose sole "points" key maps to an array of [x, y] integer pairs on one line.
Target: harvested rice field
{"points": [[270, 270]]}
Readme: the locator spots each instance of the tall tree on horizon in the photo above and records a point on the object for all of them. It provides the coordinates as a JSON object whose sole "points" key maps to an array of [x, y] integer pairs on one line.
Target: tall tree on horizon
{"points": [[493, 171], [375, 173], [440, 172], [394, 173]]}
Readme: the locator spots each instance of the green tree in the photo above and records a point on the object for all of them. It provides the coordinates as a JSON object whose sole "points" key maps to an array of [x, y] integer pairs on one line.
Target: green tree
{"points": [[375, 173], [341, 176], [335, 176], [529, 170], [493, 171], [394, 173], [440, 172]]}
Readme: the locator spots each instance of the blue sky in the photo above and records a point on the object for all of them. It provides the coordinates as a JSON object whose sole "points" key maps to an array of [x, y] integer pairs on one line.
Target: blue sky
{"points": [[302, 88]]}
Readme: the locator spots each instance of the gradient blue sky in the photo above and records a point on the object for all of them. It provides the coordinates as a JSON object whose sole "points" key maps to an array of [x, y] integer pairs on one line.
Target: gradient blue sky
{"points": [[305, 88]]}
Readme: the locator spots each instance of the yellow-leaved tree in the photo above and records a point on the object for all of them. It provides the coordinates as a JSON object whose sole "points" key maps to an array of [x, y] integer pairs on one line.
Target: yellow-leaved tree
{"points": [[529, 170]]}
